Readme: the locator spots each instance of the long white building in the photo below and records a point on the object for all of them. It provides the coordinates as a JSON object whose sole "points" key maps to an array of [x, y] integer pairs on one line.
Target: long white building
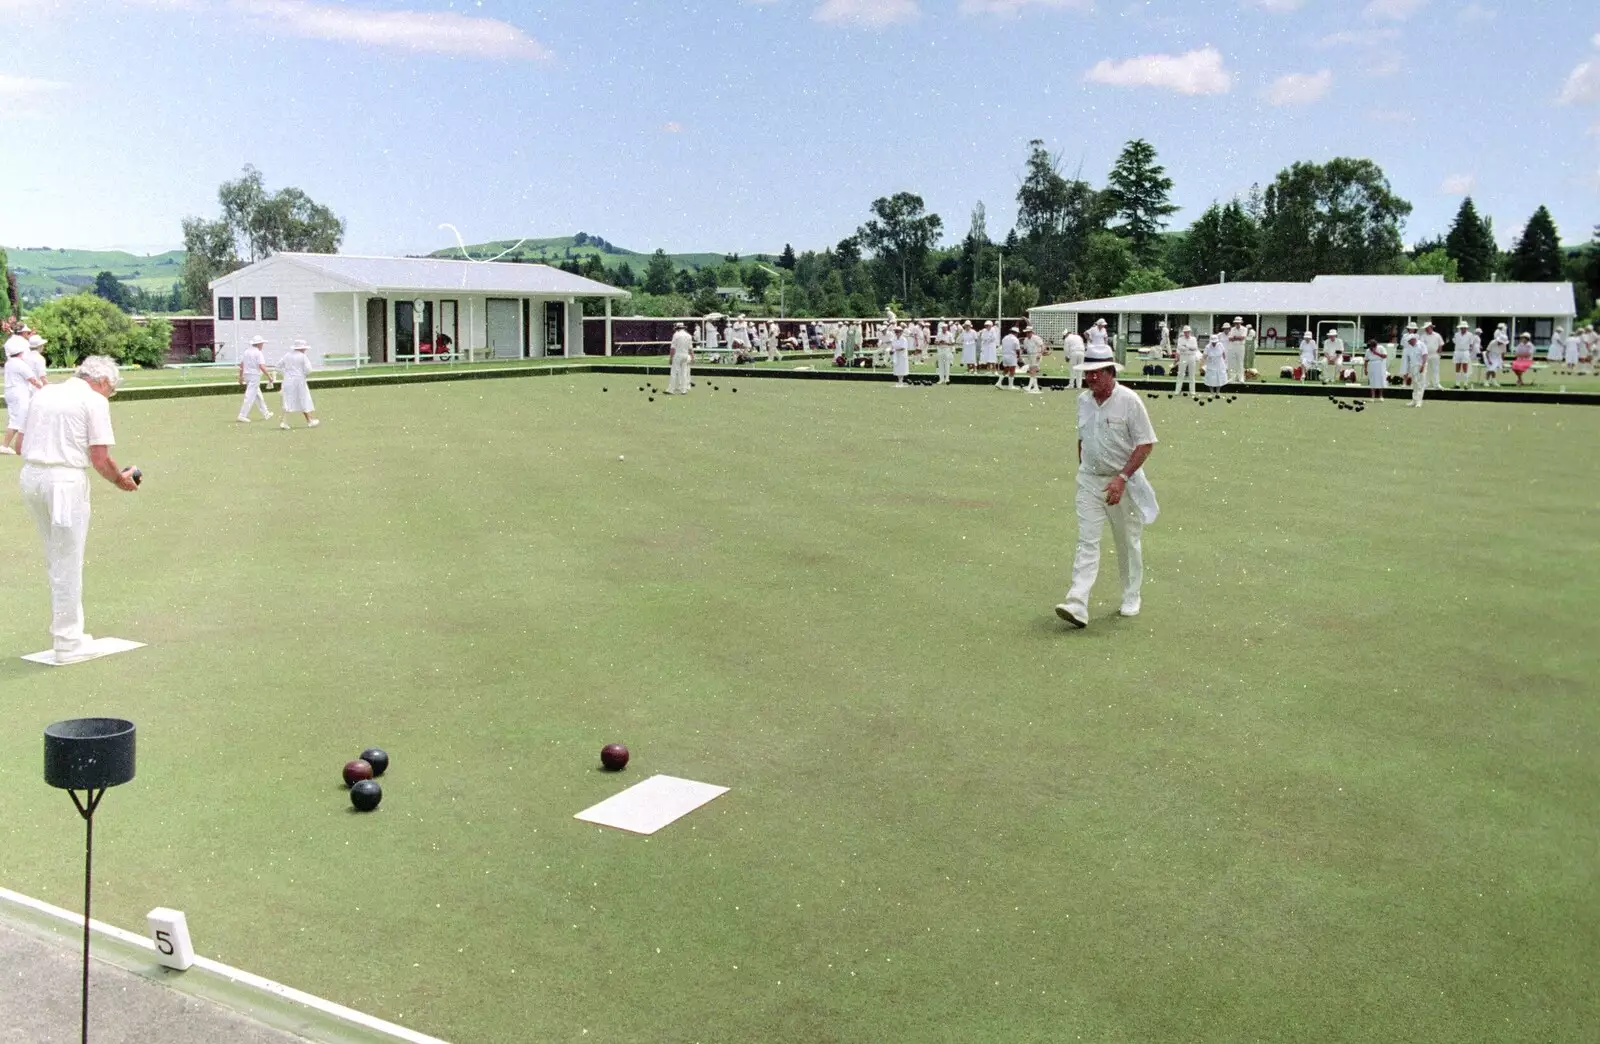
{"points": [[1359, 306], [403, 309]]}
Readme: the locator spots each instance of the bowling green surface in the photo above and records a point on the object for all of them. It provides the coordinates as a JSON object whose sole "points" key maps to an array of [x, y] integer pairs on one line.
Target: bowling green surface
{"points": [[1336, 783]]}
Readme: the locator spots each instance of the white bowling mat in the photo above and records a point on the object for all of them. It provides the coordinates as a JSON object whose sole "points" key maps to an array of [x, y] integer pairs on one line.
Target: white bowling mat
{"points": [[646, 807], [102, 647]]}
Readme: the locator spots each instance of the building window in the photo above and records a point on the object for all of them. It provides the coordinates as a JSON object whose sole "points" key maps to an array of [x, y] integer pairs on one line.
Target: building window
{"points": [[247, 308], [224, 308], [269, 309]]}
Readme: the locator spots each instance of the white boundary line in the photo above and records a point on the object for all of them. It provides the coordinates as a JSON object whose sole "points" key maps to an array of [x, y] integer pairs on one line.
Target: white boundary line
{"points": [[237, 975]]}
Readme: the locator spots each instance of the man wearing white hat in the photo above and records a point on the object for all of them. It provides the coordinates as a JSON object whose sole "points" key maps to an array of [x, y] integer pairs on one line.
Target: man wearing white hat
{"points": [[18, 340], [69, 432], [945, 343], [252, 373], [988, 346], [1332, 355], [36, 359], [1032, 353], [1461, 354], [1115, 438], [296, 389], [1235, 336], [681, 354], [1414, 352], [1010, 347], [1188, 360], [1433, 341], [1589, 354], [19, 390], [1073, 347]]}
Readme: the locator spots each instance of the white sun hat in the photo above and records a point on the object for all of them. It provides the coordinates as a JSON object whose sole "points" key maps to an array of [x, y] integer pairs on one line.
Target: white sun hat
{"points": [[299, 344], [257, 341], [35, 341], [1097, 357], [15, 348]]}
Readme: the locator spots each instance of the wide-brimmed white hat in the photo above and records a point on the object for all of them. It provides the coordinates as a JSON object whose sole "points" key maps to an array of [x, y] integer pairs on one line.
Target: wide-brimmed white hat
{"points": [[36, 341], [1411, 326], [1099, 322], [14, 348], [257, 341], [1238, 319], [299, 344], [1462, 325], [1186, 330], [1097, 357]]}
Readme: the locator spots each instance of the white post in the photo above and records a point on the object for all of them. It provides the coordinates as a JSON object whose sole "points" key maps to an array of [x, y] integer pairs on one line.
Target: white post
{"points": [[1000, 291], [608, 325], [355, 325], [472, 322]]}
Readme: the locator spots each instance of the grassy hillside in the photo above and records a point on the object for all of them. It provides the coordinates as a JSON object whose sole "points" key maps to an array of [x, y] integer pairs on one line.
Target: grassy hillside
{"points": [[564, 248], [44, 271]]}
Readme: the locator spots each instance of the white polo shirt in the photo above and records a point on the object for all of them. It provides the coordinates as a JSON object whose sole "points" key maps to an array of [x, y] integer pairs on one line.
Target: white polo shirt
{"points": [[64, 420], [1110, 431], [19, 376], [254, 361]]}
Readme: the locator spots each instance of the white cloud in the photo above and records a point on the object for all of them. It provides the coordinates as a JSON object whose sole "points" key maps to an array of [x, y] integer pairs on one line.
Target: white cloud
{"points": [[1395, 10], [422, 32], [20, 95], [873, 13], [1458, 185], [672, 127], [1299, 88], [1194, 72], [1359, 38], [1276, 5], [1010, 8], [1583, 85]]}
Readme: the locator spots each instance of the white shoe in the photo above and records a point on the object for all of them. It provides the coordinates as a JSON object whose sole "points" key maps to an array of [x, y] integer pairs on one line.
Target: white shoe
{"points": [[1125, 611], [82, 649], [283, 425], [1066, 614], [8, 451], [243, 420], [313, 424], [266, 416]]}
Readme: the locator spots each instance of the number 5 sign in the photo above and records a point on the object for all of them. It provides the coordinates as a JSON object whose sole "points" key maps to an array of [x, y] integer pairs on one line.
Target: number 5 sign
{"points": [[170, 932]]}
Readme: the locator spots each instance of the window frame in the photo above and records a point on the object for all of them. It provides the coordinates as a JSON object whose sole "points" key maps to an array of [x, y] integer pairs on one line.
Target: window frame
{"points": [[225, 304], [274, 316], [247, 312]]}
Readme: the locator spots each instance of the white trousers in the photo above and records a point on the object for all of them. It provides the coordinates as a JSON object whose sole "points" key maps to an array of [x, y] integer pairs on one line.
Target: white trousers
{"points": [[1417, 370], [253, 397], [1187, 367], [1235, 357], [678, 378], [1433, 371], [1126, 528], [1075, 359], [945, 358], [58, 500]]}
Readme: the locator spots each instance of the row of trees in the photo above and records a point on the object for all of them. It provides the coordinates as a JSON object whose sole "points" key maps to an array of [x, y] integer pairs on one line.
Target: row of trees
{"points": [[137, 299]]}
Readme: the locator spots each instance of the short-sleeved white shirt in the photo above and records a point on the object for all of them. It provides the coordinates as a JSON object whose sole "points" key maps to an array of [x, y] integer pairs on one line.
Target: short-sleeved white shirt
{"points": [[64, 420], [18, 375], [296, 364], [36, 359], [254, 361], [1074, 342], [1110, 431]]}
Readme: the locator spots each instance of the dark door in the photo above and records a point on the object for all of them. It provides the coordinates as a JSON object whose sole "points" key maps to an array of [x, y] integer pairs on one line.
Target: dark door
{"points": [[377, 330], [555, 328]]}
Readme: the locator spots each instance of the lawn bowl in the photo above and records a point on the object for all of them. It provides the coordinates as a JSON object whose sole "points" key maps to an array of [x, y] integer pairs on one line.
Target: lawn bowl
{"points": [[365, 795], [377, 758], [614, 757], [356, 771]]}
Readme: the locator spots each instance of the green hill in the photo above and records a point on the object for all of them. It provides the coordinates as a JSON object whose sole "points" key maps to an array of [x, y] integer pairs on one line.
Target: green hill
{"points": [[573, 248], [43, 272]]}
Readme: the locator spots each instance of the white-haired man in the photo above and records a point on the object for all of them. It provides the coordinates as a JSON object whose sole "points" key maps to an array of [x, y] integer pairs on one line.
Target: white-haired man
{"points": [[681, 354], [1188, 360], [1235, 354], [1461, 354], [69, 432], [1115, 438], [253, 373]]}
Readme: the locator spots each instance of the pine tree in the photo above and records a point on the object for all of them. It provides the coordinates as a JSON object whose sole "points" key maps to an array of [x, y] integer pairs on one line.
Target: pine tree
{"points": [[1139, 193], [1471, 245], [1536, 257], [786, 259]]}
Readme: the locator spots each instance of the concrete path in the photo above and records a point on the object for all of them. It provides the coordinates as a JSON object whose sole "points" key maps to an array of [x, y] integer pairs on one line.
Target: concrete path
{"points": [[40, 980]]}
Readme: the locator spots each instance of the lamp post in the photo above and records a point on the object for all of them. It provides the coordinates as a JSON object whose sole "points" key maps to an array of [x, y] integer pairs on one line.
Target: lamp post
{"points": [[91, 755], [764, 268]]}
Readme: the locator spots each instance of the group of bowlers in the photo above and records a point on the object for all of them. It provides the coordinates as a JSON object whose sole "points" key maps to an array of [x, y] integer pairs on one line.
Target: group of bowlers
{"points": [[295, 368]]}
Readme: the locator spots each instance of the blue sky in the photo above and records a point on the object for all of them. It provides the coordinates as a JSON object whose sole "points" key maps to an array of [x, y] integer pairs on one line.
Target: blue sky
{"points": [[745, 124]]}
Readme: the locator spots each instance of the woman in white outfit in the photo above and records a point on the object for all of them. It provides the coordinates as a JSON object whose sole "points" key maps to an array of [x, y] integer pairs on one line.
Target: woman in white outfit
{"points": [[1216, 362], [1308, 354], [1377, 369], [19, 392], [296, 368], [969, 347], [901, 347]]}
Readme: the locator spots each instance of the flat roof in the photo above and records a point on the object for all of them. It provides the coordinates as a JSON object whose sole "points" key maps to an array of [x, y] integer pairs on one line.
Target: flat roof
{"points": [[424, 274], [1427, 295]]}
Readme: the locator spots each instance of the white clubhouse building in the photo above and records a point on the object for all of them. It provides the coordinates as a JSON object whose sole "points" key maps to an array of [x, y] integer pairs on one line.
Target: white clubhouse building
{"points": [[1358, 306], [403, 309]]}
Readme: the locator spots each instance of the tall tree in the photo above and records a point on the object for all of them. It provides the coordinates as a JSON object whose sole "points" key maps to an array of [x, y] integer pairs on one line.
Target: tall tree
{"points": [[1536, 255], [108, 286], [901, 233], [8, 304], [1470, 243], [1055, 216], [1138, 193], [658, 273], [786, 259], [1223, 242], [1340, 217]]}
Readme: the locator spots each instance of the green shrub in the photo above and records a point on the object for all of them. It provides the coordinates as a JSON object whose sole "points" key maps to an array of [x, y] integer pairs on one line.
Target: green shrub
{"points": [[85, 324]]}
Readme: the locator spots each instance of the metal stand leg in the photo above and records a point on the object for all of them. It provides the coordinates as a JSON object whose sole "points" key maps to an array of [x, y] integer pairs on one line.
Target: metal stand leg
{"points": [[87, 812]]}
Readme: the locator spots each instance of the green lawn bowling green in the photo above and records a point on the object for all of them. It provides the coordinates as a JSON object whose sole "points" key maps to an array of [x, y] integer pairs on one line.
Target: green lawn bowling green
{"points": [[1337, 783]]}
